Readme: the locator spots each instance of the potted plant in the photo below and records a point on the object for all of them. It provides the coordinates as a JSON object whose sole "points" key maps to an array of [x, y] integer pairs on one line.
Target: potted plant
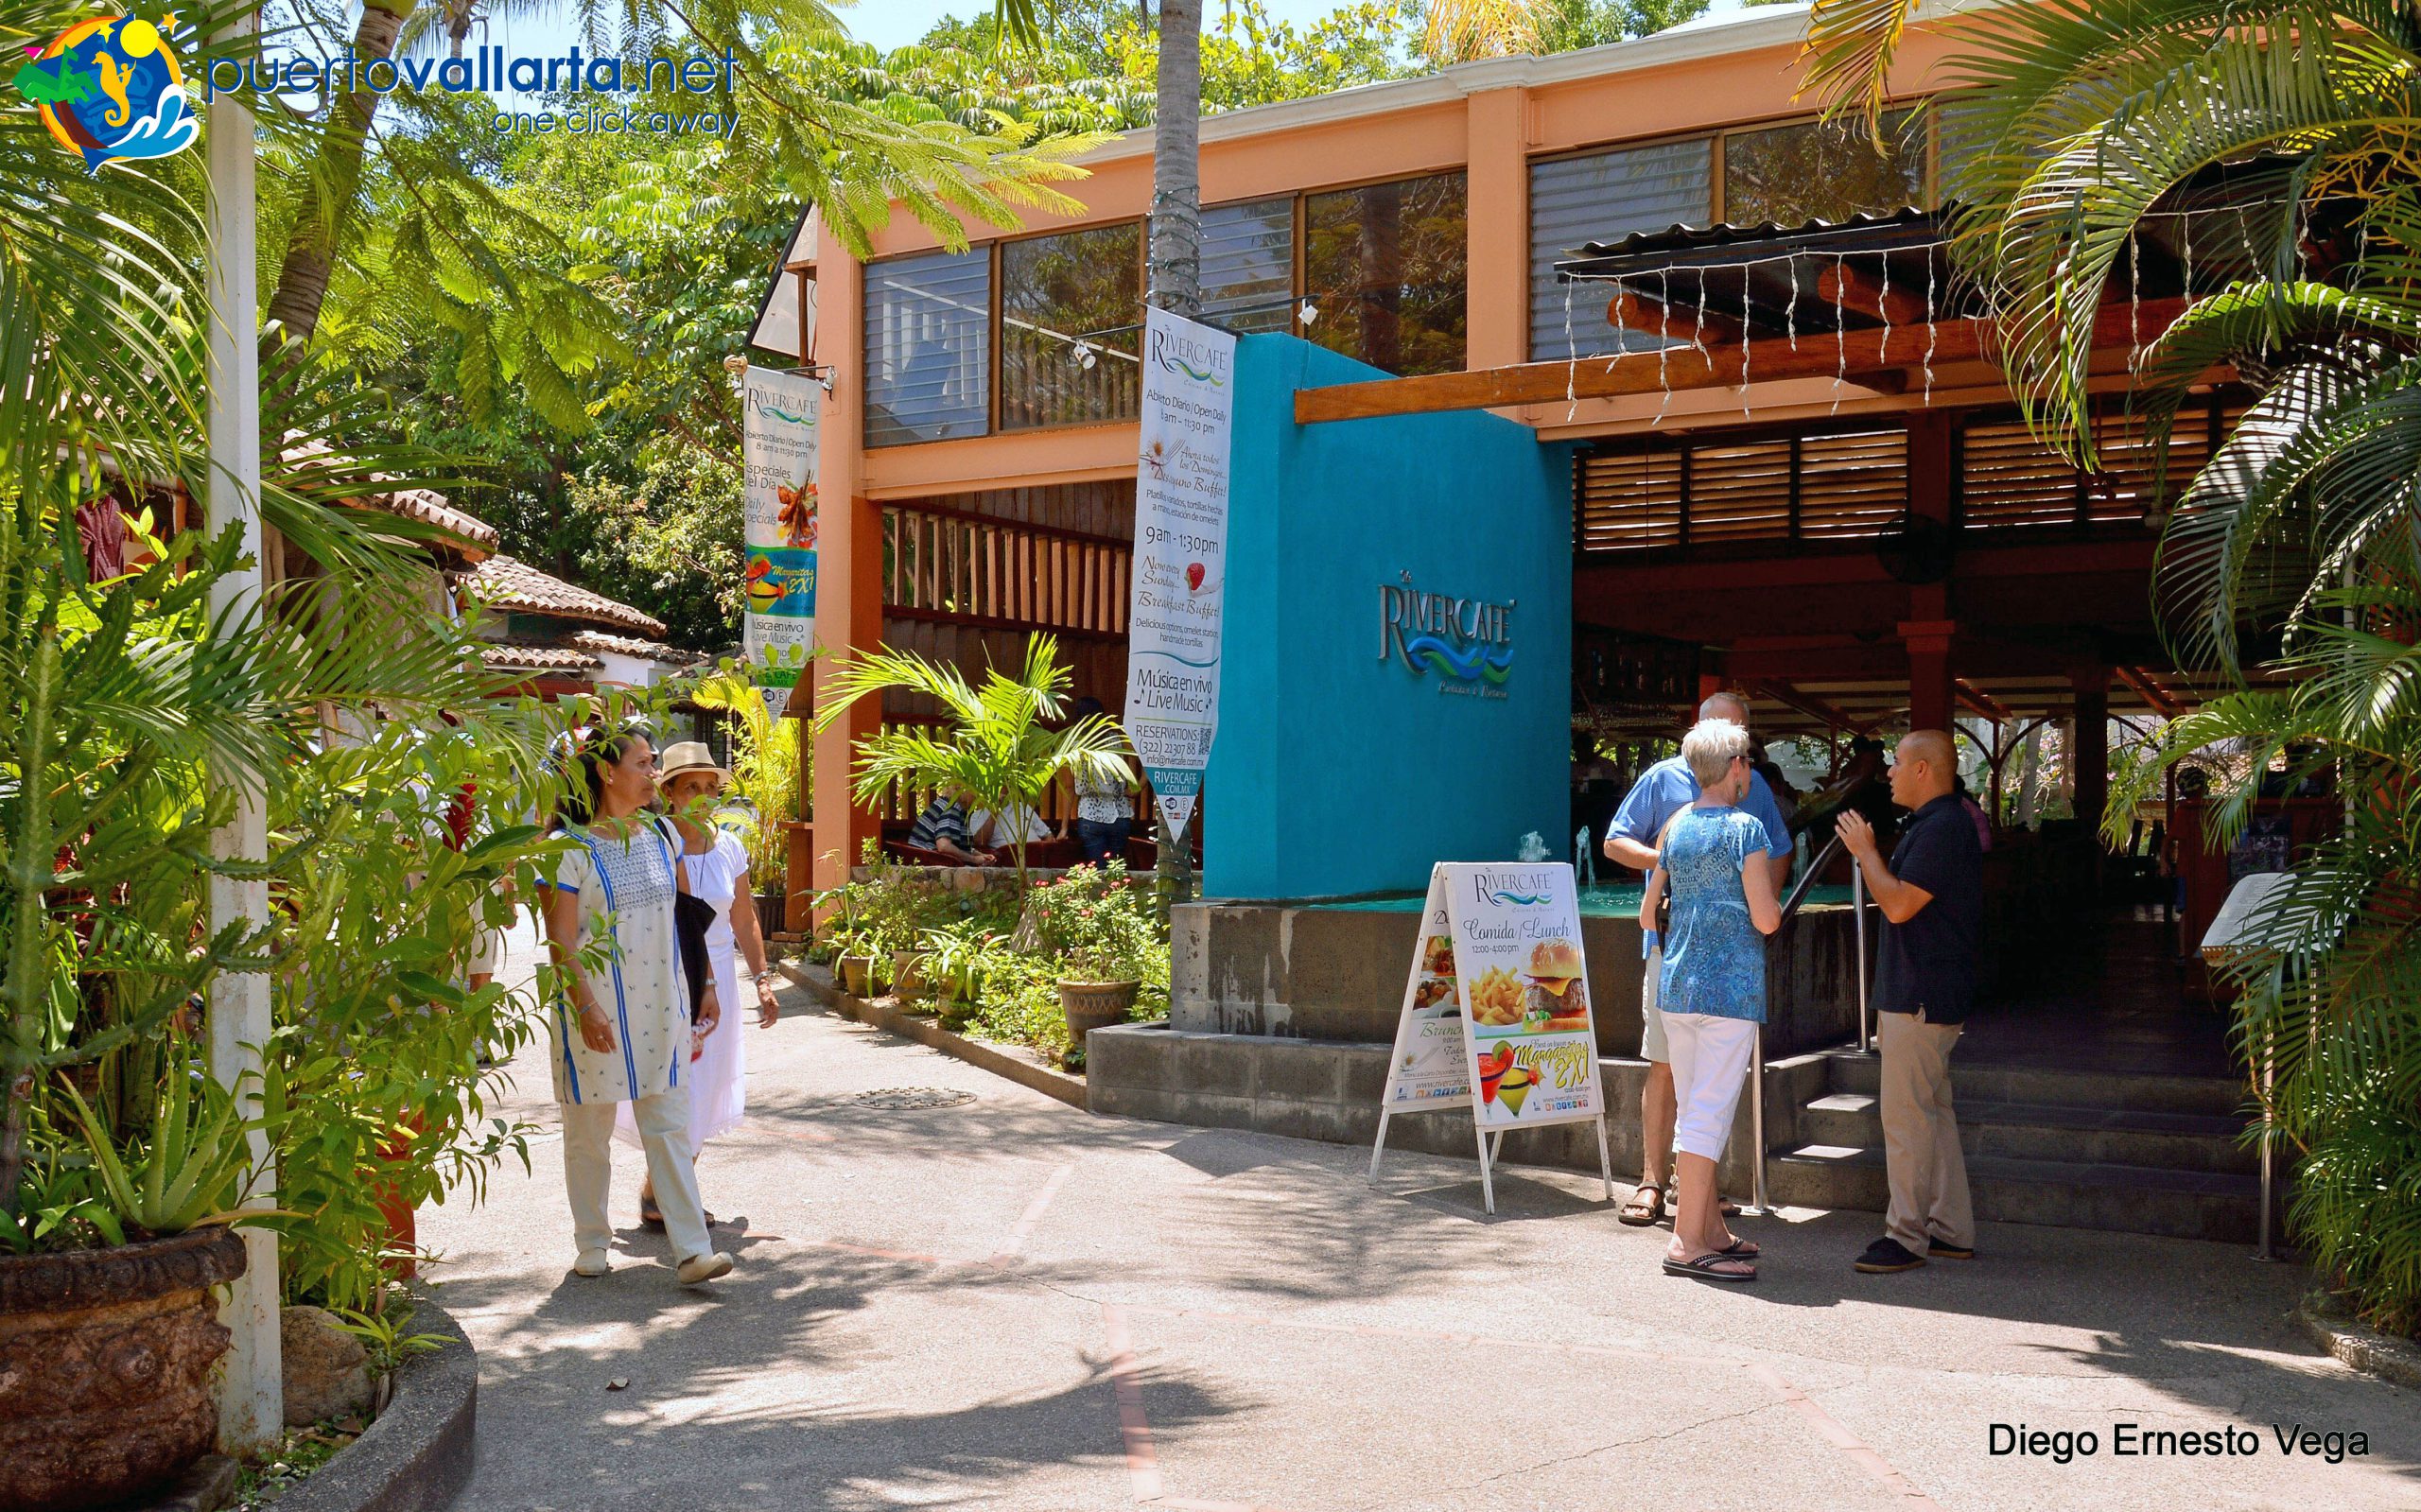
{"points": [[765, 782], [998, 747], [1101, 929], [954, 962]]}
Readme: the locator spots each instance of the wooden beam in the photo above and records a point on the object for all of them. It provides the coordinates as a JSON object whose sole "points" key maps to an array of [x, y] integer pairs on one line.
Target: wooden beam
{"points": [[1882, 380], [1981, 701], [1678, 323], [1807, 703], [1856, 290], [1685, 368], [2165, 704]]}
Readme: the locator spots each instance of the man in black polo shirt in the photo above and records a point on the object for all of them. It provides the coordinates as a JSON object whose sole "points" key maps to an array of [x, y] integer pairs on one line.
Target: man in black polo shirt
{"points": [[1932, 898]]}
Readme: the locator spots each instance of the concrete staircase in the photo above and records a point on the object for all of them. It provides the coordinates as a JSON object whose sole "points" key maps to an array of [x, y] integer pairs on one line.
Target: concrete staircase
{"points": [[2139, 1153]]}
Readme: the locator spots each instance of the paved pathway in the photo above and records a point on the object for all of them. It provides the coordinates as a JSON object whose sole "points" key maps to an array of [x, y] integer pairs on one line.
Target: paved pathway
{"points": [[1011, 1304]]}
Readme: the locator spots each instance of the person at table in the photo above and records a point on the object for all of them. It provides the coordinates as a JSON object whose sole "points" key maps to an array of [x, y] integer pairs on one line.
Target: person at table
{"points": [[999, 832], [1662, 791], [943, 829], [1104, 810], [1711, 858], [1932, 898]]}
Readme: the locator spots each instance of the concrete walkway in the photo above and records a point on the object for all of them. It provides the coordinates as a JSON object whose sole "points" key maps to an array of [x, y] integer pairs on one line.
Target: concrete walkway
{"points": [[1010, 1304]]}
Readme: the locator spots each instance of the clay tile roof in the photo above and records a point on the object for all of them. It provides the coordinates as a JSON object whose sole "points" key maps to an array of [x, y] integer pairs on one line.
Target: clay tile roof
{"points": [[426, 505], [630, 645], [507, 583], [516, 658]]}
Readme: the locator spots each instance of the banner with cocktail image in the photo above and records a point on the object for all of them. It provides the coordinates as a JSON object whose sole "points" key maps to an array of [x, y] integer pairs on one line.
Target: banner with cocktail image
{"points": [[1498, 972], [778, 493]]}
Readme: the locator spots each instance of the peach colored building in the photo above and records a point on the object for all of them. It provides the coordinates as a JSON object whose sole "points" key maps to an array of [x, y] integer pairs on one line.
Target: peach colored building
{"points": [[979, 455]]}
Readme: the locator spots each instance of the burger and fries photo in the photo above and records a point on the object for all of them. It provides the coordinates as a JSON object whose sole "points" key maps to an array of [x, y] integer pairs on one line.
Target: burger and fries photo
{"points": [[1549, 995]]}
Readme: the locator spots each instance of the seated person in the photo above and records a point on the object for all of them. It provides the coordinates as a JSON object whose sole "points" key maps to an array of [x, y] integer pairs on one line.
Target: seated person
{"points": [[1006, 828], [943, 827]]}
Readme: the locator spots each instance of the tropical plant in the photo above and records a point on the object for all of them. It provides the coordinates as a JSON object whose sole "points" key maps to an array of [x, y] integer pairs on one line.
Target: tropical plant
{"points": [[764, 765], [1097, 925], [193, 1169], [1457, 31], [998, 751], [2262, 154]]}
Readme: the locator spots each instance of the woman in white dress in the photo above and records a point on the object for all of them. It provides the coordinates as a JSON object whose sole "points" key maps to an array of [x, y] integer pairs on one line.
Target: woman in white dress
{"points": [[689, 782], [619, 1026]]}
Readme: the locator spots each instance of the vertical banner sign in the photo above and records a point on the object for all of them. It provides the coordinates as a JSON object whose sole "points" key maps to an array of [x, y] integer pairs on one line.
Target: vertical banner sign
{"points": [[1181, 556], [782, 412], [1496, 1013]]}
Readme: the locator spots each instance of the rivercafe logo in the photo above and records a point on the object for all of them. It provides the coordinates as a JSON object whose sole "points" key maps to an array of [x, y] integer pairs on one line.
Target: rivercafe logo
{"points": [[1466, 642], [111, 88], [1189, 358]]}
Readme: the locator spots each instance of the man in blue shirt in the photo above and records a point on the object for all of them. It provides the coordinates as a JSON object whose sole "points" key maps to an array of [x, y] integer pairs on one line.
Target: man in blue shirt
{"points": [[1932, 898], [1661, 791]]}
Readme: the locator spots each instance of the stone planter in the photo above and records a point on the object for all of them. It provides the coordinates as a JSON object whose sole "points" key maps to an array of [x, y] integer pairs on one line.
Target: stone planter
{"points": [[105, 1358], [857, 974], [1090, 1006], [908, 976], [770, 909]]}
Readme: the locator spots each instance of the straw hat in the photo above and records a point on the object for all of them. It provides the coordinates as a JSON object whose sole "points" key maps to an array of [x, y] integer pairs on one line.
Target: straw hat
{"points": [[684, 756]]}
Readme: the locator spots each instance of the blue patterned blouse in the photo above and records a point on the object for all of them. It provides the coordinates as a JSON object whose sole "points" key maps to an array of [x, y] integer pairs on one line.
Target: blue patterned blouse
{"points": [[1715, 959]]}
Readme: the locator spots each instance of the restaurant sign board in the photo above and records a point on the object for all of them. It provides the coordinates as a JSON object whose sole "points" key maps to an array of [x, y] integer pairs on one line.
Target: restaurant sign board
{"points": [[1496, 1015], [1180, 569], [778, 447]]}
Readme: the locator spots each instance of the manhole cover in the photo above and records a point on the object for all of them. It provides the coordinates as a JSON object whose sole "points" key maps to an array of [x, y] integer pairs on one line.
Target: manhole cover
{"points": [[898, 1098]]}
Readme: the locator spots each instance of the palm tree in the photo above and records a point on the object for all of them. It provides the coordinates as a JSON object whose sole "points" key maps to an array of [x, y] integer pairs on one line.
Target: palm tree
{"points": [[1457, 31], [998, 751], [2257, 155]]}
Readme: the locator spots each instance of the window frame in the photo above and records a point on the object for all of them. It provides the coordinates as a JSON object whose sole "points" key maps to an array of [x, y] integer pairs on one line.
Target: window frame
{"points": [[991, 340], [1000, 310]]}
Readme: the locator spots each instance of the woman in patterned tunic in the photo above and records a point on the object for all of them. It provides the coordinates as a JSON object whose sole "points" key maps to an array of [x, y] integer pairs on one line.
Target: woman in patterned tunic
{"points": [[620, 1029], [1713, 992]]}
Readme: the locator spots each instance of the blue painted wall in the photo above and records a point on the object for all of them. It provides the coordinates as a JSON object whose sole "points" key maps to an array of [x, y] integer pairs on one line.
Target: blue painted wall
{"points": [[1335, 772]]}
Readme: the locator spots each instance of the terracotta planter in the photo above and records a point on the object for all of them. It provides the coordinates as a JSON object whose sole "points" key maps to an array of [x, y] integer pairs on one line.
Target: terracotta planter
{"points": [[1090, 1006], [908, 975], [105, 1358], [857, 974]]}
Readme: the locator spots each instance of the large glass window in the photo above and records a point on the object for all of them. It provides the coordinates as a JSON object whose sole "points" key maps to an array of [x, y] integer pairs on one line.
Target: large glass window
{"points": [[1604, 197], [1385, 266], [928, 347], [1807, 171], [1069, 308], [1249, 265]]}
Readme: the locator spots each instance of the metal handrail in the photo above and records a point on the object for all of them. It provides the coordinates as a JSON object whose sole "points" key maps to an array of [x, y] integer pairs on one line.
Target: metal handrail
{"points": [[1758, 1203]]}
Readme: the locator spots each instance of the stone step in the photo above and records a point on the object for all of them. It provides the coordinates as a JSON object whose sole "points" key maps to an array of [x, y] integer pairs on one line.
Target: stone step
{"points": [[2127, 1199], [1990, 1082], [2053, 1132]]}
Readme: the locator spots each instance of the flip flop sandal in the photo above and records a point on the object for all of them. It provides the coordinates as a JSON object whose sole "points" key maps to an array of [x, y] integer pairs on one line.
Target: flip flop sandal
{"points": [[651, 1217], [1704, 1268], [1727, 1207], [1740, 1249], [1638, 1214]]}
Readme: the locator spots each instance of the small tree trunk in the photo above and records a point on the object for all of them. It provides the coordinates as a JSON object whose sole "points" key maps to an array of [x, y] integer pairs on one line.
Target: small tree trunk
{"points": [[332, 188], [1175, 264]]}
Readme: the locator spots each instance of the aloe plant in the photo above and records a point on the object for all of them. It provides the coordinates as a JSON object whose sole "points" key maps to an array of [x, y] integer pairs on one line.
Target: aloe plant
{"points": [[193, 1170]]}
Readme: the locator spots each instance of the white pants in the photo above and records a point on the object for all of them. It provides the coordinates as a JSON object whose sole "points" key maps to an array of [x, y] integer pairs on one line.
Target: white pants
{"points": [[1653, 1044], [1710, 1058], [588, 1173]]}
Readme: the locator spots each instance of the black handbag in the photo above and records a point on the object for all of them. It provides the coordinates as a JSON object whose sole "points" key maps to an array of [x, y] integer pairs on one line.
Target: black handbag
{"points": [[692, 916]]}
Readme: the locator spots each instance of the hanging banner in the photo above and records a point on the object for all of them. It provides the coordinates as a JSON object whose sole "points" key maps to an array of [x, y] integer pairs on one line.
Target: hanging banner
{"points": [[1181, 556], [1496, 1015], [781, 412]]}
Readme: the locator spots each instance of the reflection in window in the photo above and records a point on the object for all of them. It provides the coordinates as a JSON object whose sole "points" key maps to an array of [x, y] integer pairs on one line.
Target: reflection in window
{"points": [[928, 363], [1249, 265], [1069, 308], [1793, 174], [1386, 266], [1604, 197]]}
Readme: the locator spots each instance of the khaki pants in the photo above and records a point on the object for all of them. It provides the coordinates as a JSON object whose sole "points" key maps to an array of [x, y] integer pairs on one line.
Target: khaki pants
{"points": [[588, 1177], [1921, 1134]]}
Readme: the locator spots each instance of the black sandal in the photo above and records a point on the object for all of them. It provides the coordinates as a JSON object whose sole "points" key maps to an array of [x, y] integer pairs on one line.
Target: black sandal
{"points": [[651, 1216], [1704, 1268]]}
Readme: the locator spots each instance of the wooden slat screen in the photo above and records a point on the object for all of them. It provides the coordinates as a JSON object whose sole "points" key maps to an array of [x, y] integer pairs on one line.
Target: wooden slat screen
{"points": [[954, 566], [1852, 484], [1628, 500], [2007, 478], [1722, 491]]}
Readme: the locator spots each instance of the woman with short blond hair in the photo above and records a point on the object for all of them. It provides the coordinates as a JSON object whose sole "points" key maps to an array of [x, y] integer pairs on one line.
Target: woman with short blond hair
{"points": [[1713, 992]]}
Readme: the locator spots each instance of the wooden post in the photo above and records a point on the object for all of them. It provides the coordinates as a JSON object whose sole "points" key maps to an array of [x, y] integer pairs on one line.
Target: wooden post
{"points": [[848, 589], [251, 1399]]}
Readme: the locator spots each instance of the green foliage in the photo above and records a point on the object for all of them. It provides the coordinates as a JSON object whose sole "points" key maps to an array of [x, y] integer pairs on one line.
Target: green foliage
{"points": [[669, 542], [193, 1168], [765, 763], [1098, 924], [381, 1332], [1000, 752]]}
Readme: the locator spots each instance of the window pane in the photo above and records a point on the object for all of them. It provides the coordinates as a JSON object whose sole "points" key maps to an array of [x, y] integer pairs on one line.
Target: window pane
{"points": [[1386, 266], [1068, 305], [1249, 265], [928, 361], [1793, 174], [1603, 197]]}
